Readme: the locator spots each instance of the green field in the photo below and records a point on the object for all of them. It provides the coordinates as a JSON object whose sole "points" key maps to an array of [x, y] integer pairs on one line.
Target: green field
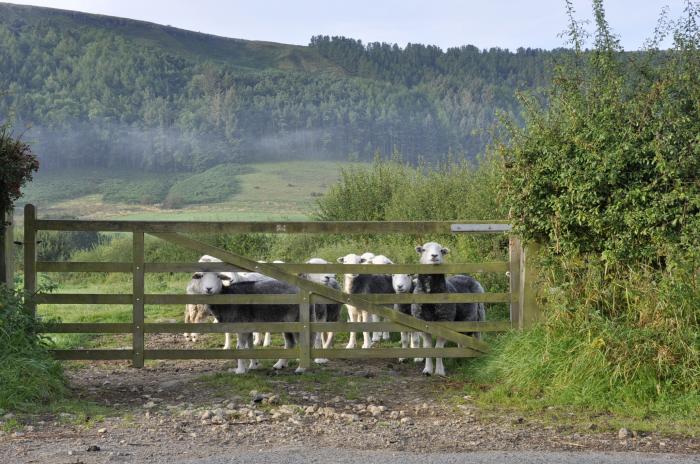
{"points": [[262, 191]]}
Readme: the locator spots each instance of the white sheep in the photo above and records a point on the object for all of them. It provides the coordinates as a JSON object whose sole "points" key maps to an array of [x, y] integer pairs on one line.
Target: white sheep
{"points": [[355, 315]]}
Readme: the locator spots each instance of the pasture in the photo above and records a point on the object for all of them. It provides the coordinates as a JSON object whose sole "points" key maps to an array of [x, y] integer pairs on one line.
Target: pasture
{"points": [[276, 190]]}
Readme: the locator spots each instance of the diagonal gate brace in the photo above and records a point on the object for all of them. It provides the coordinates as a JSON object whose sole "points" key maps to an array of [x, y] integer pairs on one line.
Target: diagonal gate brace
{"points": [[410, 322]]}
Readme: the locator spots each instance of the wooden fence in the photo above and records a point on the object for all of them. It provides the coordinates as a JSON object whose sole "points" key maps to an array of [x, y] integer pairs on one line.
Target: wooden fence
{"points": [[523, 308]]}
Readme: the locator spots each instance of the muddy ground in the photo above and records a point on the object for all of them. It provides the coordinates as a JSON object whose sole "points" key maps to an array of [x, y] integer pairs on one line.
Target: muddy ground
{"points": [[176, 410]]}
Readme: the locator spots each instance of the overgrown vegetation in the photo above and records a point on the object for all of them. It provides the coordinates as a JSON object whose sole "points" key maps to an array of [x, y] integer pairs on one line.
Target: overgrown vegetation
{"points": [[606, 177], [28, 374]]}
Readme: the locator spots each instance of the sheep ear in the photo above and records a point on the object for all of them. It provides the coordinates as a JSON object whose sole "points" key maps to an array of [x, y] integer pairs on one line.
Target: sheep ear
{"points": [[197, 275], [445, 250], [341, 260], [420, 249], [224, 277]]}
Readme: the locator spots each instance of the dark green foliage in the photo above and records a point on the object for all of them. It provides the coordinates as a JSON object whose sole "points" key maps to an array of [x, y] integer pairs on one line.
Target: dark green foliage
{"points": [[606, 176], [611, 164], [28, 374], [117, 93], [18, 164]]}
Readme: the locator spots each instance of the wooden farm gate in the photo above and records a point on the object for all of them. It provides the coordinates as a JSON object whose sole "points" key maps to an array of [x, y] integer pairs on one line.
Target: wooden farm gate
{"points": [[523, 310]]}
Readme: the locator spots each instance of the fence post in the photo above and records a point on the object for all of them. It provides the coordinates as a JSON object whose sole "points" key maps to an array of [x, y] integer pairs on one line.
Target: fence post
{"points": [[138, 292], [305, 334], [7, 268], [515, 250], [30, 256], [528, 289]]}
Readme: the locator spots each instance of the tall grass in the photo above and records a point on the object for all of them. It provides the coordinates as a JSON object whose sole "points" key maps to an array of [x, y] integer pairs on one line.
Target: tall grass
{"points": [[28, 374]]}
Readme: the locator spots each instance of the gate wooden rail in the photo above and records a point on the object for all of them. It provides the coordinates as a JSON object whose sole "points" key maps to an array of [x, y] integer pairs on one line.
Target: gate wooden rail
{"points": [[523, 309]]}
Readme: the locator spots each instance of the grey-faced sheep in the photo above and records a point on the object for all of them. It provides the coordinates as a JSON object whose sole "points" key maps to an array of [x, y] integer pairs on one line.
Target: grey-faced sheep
{"points": [[258, 313], [377, 336], [195, 313], [434, 253]]}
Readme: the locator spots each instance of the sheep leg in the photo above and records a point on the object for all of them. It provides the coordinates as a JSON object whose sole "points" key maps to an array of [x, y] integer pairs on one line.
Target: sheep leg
{"points": [[257, 338], [267, 341], [318, 344], [405, 338], [376, 336], [328, 340], [200, 313], [295, 341], [415, 343], [188, 319], [288, 344], [365, 317], [439, 367], [353, 316], [245, 340], [427, 343]]}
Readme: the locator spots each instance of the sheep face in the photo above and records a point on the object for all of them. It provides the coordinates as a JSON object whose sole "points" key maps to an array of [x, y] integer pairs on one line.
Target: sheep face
{"points": [[322, 279], [380, 259], [352, 259], [402, 283], [208, 283], [367, 256], [432, 253]]}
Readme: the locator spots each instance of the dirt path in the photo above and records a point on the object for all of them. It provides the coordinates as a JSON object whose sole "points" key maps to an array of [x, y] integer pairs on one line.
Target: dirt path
{"points": [[182, 410]]}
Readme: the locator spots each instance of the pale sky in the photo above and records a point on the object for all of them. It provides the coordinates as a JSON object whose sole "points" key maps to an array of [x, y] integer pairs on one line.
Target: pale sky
{"points": [[446, 23]]}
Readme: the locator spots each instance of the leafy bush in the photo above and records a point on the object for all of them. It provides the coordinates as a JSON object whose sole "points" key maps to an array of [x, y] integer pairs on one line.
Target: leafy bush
{"points": [[28, 374], [18, 164], [609, 164], [605, 175], [211, 186]]}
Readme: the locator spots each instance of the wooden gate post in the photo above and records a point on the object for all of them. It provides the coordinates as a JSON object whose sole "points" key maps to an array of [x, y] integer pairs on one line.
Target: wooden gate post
{"points": [[138, 292], [7, 268], [30, 257], [528, 286], [305, 334], [515, 251]]}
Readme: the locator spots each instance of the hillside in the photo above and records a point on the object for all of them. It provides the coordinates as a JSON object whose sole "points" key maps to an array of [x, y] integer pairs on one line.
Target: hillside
{"points": [[100, 91]]}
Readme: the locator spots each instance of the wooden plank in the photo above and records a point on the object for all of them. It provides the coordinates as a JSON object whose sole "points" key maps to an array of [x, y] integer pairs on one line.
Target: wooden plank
{"points": [[92, 355], [164, 299], [7, 252], [83, 327], [179, 327], [528, 292], [514, 252], [486, 326], [83, 298], [60, 266], [389, 298], [260, 353], [138, 298], [30, 257], [356, 300], [373, 353], [481, 228], [279, 227], [439, 298], [449, 268], [305, 332]]}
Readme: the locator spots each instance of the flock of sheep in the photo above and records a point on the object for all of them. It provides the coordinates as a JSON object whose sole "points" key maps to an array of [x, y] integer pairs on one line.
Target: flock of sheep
{"points": [[210, 283]]}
